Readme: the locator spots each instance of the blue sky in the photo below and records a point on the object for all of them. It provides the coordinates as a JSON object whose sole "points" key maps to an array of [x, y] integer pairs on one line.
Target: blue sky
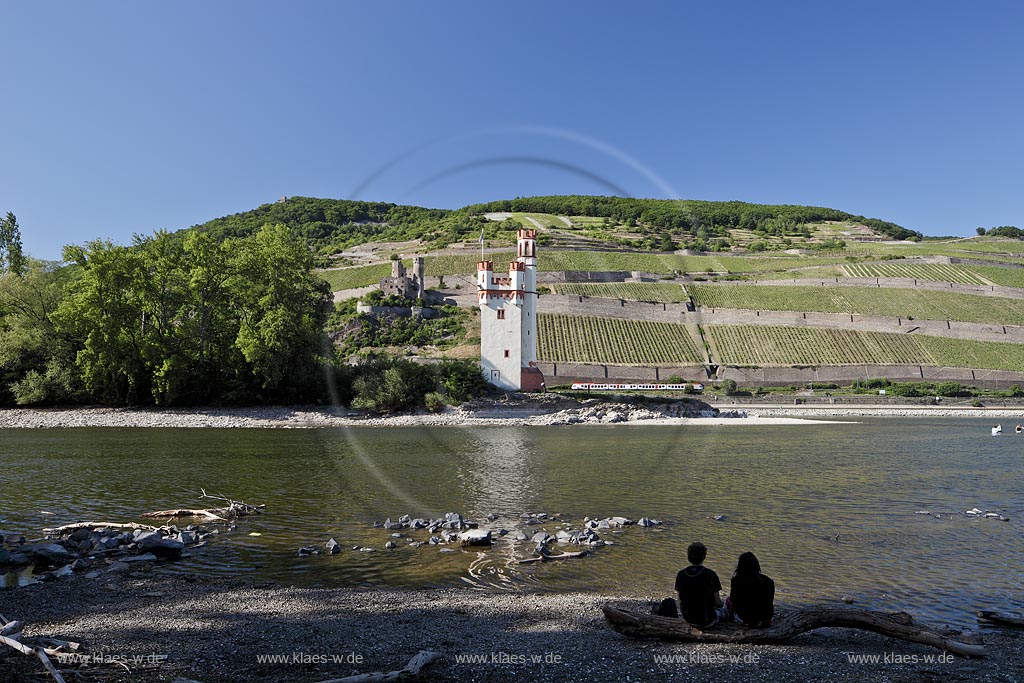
{"points": [[124, 117]]}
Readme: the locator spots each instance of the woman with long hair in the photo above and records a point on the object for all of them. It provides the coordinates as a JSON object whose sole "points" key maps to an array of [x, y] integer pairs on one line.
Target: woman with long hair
{"points": [[752, 594]]}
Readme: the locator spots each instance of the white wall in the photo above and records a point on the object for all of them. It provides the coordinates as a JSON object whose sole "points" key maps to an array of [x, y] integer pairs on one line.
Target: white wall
{"points": [[497, 336]]}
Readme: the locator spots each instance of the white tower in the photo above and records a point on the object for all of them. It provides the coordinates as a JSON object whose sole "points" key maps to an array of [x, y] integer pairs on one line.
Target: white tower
{"points": [[508, 319]]}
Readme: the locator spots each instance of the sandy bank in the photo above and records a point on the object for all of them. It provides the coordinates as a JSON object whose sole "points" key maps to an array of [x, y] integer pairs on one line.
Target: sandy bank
{"points": [[315, 417], [215, 631]]}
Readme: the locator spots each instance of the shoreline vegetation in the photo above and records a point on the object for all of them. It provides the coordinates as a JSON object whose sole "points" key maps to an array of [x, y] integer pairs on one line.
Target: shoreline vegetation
{"points": [[475, 414]]}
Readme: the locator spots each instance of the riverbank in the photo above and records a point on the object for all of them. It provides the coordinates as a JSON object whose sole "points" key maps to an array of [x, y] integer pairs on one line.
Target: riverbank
{"points": [[219, 631], [492, 413]]}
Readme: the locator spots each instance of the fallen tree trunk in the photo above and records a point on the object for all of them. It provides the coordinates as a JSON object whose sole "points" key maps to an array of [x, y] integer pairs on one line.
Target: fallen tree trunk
{"points": [[423, 659], [212, 514], [97, 525], [1001, 618], [786, 625], [548, 558]]}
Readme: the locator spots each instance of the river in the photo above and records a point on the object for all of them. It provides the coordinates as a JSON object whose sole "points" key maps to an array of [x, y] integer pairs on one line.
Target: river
{"points": [[830, 509]]}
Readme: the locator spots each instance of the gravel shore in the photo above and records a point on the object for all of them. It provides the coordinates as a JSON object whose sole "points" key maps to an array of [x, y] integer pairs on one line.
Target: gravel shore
{"points": [[495, 413], [215, 632]]}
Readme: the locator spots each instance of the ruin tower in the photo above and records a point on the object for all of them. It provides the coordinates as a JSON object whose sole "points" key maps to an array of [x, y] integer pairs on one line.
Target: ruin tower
{"points": [[418, 278], [508, 319]]}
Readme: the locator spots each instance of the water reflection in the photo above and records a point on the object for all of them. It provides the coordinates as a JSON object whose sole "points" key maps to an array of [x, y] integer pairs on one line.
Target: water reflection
{"points": [[496, 472]]}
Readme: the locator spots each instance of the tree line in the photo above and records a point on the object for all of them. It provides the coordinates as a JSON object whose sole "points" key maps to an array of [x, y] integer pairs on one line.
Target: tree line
{"points": [[174, 318], [715, 218], [187, 319]]}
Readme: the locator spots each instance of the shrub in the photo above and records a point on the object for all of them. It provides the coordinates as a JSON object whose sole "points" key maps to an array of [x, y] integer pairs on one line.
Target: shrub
{"points": [[434, 401]]}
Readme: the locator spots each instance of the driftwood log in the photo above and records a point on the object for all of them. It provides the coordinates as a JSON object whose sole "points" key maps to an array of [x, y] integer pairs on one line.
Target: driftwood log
{"points": [[97, 525], [545, 557], [423, 659], [12, 638], [1001, 618], [786, 625], [233, 509], [211, 514]]}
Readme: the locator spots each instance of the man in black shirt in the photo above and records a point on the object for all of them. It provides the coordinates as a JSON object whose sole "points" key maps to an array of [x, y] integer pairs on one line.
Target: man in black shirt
{"points": [[698, 588]]}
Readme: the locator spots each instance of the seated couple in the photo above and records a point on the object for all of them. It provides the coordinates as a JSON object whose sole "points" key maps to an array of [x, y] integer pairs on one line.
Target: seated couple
{"points": [[750, 598]]}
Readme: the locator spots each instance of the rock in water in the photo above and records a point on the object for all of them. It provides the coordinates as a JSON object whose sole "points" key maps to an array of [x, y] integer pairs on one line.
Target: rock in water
{"points": [[333, 547], [475, 537], [542, 538], [160, 546]]}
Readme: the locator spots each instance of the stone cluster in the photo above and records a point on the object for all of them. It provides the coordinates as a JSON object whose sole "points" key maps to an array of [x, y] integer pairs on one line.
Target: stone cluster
{"points": [[453, 528], [94, 550]]}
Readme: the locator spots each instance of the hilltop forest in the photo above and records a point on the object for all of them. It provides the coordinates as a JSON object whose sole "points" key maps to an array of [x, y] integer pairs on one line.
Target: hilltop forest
{"points": [[330, 226]]}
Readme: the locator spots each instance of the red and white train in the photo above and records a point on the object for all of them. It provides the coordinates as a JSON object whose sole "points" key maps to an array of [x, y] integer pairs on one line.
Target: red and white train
{"points": [[604, 386]]}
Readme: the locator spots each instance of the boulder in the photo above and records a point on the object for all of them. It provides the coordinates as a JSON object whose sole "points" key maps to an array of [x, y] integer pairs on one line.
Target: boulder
{"points": [[308, 550], [161, 546], [79, 535], [390, 545], [333, 547], [542, 538], [619, 521], [50, 553], [475, 537]]}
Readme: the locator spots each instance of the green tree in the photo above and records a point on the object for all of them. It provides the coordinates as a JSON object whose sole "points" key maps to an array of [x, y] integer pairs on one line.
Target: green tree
{"points": [[282, 307], [36, 364], [102, 311], [11, 254]]}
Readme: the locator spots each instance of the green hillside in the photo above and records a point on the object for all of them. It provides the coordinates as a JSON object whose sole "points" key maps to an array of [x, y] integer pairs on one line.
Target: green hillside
{"points": [[331, 226]]}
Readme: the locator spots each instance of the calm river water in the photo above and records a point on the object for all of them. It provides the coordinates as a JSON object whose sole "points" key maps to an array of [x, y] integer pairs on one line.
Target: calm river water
{"points": [[829, 509]]}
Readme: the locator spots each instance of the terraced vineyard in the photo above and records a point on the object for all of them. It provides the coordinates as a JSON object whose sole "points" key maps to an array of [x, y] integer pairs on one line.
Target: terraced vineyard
{"points": [[906, 303], [753, 345], [966, 353], [359, 276], [465, 264], [788, 346], [669, 263], [576, 339], [1007, 277], [631, 291], [936, 272]]}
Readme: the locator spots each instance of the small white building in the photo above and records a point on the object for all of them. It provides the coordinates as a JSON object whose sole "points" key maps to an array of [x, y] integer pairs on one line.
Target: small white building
{"points": [[508, 319]]}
